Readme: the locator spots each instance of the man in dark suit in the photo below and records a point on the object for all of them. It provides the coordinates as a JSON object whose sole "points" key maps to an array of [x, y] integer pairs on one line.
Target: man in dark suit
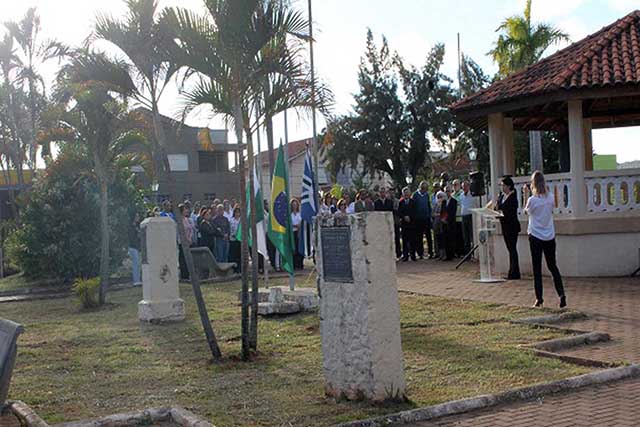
{"points": [[407, 214], [451, 207], [385, 203]]}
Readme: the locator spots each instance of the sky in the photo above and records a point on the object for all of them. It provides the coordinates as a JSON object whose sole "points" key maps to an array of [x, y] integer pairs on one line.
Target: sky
{"points": [[412, 27]]}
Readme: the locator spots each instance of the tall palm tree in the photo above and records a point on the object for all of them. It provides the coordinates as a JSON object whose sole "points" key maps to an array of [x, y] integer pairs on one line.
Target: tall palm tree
{"points": [[230, 53], [143, 75], [519, 45], [91, 116], [522, 43], [31, 52]]}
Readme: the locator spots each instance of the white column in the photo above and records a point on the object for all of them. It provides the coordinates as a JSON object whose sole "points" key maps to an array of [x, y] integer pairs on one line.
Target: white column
{"points": [[535, 150], [577, 155], [508, 148], [588, 145], [496, 155]]}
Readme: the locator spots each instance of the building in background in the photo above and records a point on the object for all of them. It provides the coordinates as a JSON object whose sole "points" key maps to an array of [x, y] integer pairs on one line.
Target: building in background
{"points": [[199, 160]]}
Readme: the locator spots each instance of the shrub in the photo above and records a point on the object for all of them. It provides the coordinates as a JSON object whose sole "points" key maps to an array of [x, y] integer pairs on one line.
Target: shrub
{"points": [[87, 292], [60, 232]]}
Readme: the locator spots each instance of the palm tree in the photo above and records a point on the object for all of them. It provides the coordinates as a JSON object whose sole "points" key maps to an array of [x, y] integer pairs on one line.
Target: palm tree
{"points": [[523, 43], [230, 54], [29, 55], [91, 116]]}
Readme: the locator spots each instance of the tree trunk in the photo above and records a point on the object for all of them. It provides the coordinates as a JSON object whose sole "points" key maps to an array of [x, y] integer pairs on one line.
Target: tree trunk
{"points": [[272, 161], [195, 280], [253, 327], [245, 352], [104, 228]]}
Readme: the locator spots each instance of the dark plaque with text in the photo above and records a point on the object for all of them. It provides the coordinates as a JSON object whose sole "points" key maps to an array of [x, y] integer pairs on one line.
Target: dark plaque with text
{"points": [[336, 254]]}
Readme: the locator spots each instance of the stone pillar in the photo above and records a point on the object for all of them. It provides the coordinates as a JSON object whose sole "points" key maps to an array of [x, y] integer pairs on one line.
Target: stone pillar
{"points": [[496, 156], [576, 152], [535, 151], [359, 309], [588, 145], [161, 297], [508, 148]]}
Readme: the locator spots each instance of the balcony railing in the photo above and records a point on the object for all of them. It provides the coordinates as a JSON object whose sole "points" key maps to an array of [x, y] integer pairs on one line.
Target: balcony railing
{"points": [[606, 191]]}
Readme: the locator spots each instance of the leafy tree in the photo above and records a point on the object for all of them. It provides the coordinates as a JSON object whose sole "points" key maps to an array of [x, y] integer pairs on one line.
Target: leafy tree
{"points": [[390, 133], [58, 237], [522, 43], [92, 117]]}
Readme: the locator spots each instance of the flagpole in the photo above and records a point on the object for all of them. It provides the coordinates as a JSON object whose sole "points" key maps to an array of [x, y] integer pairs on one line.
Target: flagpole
{"points": [[316, 194], [292, 280], [265, 264]]}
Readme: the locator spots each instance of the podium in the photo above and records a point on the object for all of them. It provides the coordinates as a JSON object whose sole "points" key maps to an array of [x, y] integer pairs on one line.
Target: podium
{"points": [[485, 223]]}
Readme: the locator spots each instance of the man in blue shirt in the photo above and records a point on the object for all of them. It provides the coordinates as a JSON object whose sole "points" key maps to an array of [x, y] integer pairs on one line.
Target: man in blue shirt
{"points": [[422, 201]]}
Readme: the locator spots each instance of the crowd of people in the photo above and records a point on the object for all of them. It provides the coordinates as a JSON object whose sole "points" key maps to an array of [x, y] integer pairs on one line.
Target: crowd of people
{"points": [[441, 217]]}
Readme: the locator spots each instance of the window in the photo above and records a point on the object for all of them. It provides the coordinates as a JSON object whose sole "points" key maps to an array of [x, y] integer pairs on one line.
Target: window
{"points": [[213, 162], [178, 162]]}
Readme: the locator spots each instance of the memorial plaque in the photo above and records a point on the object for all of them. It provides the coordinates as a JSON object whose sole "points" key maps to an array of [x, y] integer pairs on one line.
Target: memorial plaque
{"points": [[336, 254]]}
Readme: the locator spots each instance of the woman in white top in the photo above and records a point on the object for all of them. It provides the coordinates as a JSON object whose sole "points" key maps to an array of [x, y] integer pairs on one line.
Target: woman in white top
{"points": [[296, 223], [542, 237]]}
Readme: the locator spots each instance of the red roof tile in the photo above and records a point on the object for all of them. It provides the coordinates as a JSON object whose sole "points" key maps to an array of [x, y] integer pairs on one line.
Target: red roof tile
{"points": [[295, 148], [606, 58]]}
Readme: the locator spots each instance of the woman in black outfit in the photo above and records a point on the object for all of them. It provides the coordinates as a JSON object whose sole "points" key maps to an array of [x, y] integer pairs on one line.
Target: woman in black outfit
{"points": [[508, 205]]}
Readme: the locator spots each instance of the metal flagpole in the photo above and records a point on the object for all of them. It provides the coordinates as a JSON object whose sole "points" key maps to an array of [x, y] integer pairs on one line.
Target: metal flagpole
{"points": [[313, 113], [292, 280], [265, 264]]}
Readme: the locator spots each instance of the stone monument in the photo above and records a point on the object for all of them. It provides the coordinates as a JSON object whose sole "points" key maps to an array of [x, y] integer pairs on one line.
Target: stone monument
{"points": [[359, 309], [161, 297]]}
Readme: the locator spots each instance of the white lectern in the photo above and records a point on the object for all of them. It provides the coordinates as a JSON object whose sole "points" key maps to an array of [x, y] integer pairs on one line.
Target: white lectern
{"points": [[484, 223]]}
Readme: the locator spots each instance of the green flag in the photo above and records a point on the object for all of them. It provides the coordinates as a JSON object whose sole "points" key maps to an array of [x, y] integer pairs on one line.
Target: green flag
{"points": [[280, 231], [262, 244]]}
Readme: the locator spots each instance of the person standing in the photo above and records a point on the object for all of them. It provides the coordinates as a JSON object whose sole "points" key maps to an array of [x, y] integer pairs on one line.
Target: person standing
{"points": [[450, 209], [422, 200], [134, 249], [351, 206], [458, 239], [467, 203], [208, 233], [221, 224], [188, 233], [385, 203], [296, 222], [407, 213], [228, 209], [508, 204], [235, 244], [542, 237]]}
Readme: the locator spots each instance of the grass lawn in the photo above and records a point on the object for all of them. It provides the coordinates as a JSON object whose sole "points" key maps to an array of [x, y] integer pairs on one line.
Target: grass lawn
{"points": [[76, 365], [18, 281]]}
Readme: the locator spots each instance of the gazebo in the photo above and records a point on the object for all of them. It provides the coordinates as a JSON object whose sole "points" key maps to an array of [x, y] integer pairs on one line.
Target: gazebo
{"points": [[591, 84]]}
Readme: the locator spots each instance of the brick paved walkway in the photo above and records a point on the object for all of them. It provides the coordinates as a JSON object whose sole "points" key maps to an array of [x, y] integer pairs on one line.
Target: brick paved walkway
{"points": [[615, 404], [9, 420], [613, 306]]}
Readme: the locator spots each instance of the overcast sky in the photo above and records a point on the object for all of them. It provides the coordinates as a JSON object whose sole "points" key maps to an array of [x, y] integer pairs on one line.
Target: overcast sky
{"points": [[411, 26]]}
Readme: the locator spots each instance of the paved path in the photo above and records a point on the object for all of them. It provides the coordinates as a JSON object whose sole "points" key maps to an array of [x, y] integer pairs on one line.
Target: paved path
{"points": [[615, 405], [613, 305], [9, 420]]}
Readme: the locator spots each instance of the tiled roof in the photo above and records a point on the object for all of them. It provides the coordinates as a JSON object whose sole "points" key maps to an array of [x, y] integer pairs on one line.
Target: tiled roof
{"points": [[609, 57], [295, 148]]}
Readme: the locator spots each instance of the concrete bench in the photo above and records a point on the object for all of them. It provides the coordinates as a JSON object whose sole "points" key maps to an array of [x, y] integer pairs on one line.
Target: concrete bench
{"points": [[208, 267], [9, 332]]}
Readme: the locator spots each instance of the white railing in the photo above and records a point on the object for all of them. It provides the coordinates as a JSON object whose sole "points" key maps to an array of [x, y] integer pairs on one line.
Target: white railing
{"points": [[613, 191], [558, 184]]}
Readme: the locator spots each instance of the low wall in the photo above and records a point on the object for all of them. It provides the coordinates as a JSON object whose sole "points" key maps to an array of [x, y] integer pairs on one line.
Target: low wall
{"points": [[587, 247]]}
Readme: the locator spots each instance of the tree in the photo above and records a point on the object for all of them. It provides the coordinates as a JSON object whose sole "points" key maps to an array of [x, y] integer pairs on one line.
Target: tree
{"points": [[519, 45], [91, 116], [388, 133], [27, 53], [523, 43], [143, 75], [231, 53]]}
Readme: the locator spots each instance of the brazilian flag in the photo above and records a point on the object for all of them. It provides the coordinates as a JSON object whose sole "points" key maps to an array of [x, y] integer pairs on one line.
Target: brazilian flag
{"points": [[280, 231]]}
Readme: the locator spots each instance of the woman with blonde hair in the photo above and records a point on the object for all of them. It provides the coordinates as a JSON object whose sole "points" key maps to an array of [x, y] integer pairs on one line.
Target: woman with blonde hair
{"points": [[542, 235]]}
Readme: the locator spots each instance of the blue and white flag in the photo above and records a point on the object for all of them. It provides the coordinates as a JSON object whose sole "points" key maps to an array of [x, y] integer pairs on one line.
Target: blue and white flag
{"points": [[308, 206]]}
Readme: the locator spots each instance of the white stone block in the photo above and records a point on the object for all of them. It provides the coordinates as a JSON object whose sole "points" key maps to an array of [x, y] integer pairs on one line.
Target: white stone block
{"points": [[360, 319], [161, 296]]}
